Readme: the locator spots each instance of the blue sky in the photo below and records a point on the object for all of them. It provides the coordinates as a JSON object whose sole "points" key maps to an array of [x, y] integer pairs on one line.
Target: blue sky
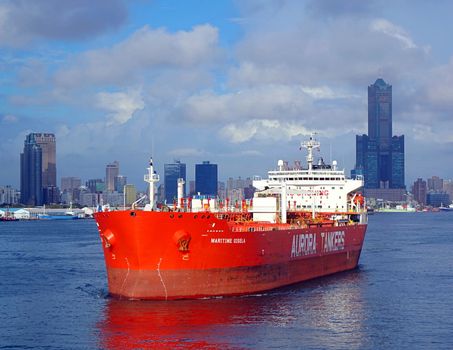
{"points": [[239, 83]]}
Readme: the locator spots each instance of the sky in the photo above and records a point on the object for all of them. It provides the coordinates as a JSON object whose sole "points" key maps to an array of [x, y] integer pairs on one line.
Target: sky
{"points": [[237, 83]]}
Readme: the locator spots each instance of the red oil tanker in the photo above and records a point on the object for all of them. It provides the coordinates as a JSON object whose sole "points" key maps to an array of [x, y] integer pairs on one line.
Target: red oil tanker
{"points": [[302, 223]]}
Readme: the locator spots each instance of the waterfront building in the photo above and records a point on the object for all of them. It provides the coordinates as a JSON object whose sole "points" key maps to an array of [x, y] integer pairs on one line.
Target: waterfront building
{"points": [[173, 172], [379, 155], [419, 191], [437, 199], [206, 178], [8, 195], [111, 171]]}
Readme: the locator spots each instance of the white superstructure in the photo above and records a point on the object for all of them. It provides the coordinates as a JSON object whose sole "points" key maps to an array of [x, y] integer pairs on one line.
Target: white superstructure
{"points": [[319, 188]]}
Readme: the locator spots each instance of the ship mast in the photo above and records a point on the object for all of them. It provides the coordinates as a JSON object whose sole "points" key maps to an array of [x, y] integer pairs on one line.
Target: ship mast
{"points": [[151, 178], [309, 145]]}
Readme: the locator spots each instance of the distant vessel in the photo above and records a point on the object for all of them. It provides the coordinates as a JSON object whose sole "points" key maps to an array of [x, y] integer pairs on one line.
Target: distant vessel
{"points": [[8, 216], [449, 208], [302, 223], [397, 209], [57, 217]]}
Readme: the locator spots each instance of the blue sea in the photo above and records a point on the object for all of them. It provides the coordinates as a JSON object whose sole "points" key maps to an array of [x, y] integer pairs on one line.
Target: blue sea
{"points": [[53, 295]]}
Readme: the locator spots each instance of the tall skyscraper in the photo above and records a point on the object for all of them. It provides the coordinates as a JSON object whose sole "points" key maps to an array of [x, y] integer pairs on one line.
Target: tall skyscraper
{"points": [[49, 162], [31, 172], [111, 171], [172, 172], [379, 155], [206, 179], [38, 169]]}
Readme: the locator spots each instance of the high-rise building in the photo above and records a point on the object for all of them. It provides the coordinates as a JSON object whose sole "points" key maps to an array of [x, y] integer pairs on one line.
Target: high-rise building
{"points": [[51, 195], [31, 172], [436, 184], [111, 171], [120, 181], [70, 183], [8, 195], [70, 189], [39, 169], [95, 185], [448, 187], [419, 191], [173, 172], [206, 179], [49, 162], [379, 155]]}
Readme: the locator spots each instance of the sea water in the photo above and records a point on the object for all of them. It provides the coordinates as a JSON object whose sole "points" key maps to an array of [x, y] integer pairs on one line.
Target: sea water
{"points": [[53, 295]]}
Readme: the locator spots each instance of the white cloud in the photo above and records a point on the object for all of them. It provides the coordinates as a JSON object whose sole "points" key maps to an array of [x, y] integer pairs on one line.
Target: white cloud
{"points": [[144, 51], [427, 134], [263, 102], [386, 27], [121, 105], [342, 51], [9, 119], [266, 129]]}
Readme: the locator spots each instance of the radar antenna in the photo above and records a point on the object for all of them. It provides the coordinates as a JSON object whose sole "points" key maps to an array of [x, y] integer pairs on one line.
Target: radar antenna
{"points": [[310, 145]]}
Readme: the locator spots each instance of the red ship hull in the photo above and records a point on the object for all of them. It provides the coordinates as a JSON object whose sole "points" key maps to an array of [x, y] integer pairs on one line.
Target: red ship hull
{"points": [[172, 255]]}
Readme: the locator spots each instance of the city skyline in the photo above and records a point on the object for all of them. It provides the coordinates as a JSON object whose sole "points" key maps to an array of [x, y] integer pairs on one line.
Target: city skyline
{"points": [[238, 83]]}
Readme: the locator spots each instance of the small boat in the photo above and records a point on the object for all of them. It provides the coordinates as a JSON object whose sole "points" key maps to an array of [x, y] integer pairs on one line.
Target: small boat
{"points": [[57, 217], [8, 218], [449, 208]]}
